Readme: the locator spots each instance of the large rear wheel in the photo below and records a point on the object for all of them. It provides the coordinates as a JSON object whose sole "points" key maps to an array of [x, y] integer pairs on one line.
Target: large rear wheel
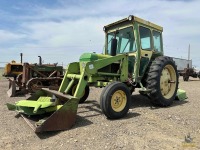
{"points": [[115, 100], [163, 81]]}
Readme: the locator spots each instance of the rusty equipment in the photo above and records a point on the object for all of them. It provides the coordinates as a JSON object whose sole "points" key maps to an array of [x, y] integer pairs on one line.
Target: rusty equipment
{"points": [[35, 77], [13, 69], [133, 58], [190, 72]]}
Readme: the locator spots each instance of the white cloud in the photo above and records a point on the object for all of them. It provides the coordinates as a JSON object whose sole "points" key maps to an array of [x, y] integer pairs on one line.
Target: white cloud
{"points": [[7, 36], [62, 34]]}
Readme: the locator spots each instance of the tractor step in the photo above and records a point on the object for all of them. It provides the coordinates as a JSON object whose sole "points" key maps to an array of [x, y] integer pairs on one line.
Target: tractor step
{"points": [[144, 91]]}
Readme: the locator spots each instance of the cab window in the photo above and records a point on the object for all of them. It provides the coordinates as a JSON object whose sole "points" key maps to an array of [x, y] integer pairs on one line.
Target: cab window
{"points": [[125, 40], [157, 41], [145, 38]]}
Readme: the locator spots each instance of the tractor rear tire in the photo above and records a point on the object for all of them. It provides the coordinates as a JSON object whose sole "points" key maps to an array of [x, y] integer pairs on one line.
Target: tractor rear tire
{"points": [[163, 81], [115, 100]]}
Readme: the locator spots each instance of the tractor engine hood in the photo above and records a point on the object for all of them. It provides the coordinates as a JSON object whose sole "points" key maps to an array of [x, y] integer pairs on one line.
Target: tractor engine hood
{"points": [[89, 57]]}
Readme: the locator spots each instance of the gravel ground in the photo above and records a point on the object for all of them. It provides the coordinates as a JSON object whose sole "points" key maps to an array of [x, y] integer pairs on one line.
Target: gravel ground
{"points": [[145, 126]]}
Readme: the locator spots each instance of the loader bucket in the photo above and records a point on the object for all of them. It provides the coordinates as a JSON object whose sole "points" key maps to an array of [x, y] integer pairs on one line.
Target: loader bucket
{"points": [[48, 110]]}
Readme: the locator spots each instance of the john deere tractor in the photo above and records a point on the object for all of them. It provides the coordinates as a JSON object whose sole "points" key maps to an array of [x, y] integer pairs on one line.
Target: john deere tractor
{"points": [[133, 58]]}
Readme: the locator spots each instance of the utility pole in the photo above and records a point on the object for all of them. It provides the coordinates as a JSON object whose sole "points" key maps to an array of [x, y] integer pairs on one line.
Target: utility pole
{"points": [[189, 52], [188, 57]]}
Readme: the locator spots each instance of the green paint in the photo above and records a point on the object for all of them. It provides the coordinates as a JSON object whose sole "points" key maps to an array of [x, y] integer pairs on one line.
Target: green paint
{"points": [[138, 53], [47, 68], [88, 57], [181, 95], [72, 68], [32, 110], [143, 65]]}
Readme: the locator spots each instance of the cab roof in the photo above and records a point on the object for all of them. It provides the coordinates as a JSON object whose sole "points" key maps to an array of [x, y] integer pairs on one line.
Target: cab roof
{"points": [[132, 18]]}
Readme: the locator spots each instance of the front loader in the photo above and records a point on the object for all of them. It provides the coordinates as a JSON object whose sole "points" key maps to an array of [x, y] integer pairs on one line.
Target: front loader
{"points": [[133, 58]]}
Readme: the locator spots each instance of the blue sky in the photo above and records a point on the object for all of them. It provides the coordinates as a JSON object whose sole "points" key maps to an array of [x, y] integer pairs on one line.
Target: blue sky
{"points": [[61, 30]]}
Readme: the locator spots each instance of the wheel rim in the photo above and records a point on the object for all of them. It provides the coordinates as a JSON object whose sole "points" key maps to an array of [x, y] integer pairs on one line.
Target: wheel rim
{"points": [[118, 101], [168, 81]]}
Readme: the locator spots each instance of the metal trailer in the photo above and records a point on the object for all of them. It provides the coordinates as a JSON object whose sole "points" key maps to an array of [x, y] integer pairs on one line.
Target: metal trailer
{"points": [[185, 69]]}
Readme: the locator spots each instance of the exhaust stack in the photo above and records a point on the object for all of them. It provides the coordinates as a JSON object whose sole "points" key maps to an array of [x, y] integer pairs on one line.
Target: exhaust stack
{"points": [[21, 55], [40, 60]]}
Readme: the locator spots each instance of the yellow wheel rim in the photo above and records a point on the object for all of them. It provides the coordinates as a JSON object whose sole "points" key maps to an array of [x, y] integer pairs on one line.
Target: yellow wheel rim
{"points": [[118, 101], [168, 81]]}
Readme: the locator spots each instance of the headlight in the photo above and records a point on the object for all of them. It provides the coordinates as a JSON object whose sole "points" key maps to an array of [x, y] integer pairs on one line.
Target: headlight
{"points": [[104, 29], [130, 17]]}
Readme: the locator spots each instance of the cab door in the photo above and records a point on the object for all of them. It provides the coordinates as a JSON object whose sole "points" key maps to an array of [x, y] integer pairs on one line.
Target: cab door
{"points": [[149, 45], [146, 48]]}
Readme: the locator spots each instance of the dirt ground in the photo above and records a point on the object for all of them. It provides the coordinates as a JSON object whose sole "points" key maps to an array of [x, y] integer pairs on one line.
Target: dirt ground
{"points": [[145, 126]]}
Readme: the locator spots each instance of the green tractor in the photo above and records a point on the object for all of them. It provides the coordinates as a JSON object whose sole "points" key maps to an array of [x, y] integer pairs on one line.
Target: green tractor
{"points": [[133, 58]]}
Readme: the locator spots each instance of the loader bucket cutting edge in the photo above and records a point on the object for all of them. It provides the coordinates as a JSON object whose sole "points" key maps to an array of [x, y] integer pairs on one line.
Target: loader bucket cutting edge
{"points": [[62, 119], [49, 117]]}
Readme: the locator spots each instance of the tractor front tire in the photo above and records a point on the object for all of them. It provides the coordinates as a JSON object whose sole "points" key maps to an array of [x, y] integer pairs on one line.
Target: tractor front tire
{"points": [[162, 79], [84, 95], [115, 100]]}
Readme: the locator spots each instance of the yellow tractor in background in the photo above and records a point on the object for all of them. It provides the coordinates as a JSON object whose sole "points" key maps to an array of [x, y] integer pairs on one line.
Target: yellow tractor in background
{"points": [[13, 69]]}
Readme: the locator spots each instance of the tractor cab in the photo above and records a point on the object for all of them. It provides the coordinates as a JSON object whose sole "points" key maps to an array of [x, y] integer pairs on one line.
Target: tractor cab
{"points": [[140, 39]]}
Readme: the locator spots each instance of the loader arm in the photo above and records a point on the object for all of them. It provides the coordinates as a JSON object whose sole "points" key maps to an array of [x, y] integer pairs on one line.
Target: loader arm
{"points": [[87, 71]]}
